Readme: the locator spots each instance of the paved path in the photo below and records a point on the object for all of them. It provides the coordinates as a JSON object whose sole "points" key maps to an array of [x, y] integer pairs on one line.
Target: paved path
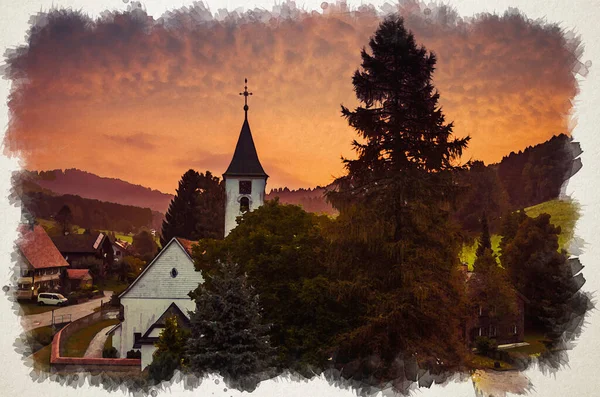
{"points": [[96, 346], [76, 311]]}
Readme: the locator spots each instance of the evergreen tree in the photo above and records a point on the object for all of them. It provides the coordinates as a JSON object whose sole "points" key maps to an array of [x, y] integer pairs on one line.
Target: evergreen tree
{"points": [[397, 250], [64, 217], [144, 245], [544, 275], [485, 241], [180, 219], [228, 336], [483, 192], [170, 353], [197, 210]]}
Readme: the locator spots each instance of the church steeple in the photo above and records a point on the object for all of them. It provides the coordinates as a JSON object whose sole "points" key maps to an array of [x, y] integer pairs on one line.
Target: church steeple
{"points": [[245, 160], [245, 178]]}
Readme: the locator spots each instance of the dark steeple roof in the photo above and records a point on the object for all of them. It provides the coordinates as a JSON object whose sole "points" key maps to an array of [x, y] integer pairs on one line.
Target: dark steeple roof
{"points": [[245, 159]]}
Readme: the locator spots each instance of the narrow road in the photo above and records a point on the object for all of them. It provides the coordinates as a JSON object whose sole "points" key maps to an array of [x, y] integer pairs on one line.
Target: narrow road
{"points": [[96, 346], [76, 311]]}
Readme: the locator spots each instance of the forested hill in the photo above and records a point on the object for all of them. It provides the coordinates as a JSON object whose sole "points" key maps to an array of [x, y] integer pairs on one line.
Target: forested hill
{"points": [[91, 186], [536, 174], [528, 177], [312, 200]]}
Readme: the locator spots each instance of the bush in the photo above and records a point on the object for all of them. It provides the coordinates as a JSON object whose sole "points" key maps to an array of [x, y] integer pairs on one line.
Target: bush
{"points": [[485, 345], [110, 352], [115, 301], [134, 354]]}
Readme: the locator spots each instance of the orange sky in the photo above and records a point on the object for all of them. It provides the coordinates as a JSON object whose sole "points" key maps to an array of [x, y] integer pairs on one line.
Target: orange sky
{"points": [[144, 100]]}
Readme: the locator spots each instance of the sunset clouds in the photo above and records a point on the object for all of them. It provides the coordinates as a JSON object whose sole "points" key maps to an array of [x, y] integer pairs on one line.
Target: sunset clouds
{"points": [[144, 99]]}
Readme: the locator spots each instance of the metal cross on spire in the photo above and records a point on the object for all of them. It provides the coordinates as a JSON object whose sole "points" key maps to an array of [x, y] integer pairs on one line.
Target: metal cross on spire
{"points": [[245, 94]]}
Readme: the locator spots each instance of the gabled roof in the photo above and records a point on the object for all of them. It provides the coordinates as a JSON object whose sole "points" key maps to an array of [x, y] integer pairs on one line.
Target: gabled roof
{"points": [[38, 248], [245, 158], [172, 310], [78, 274], [79, 243], [174, 240]]}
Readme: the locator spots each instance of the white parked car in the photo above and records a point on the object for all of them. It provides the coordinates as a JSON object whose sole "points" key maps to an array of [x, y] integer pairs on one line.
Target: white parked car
{"points": [[47, 298]]}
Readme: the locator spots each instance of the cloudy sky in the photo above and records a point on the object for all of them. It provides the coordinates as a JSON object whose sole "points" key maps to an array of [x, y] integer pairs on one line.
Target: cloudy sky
{"points": [[144, 98]]}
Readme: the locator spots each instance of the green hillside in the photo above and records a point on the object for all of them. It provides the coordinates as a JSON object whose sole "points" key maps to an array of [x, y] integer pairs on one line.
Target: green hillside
{"points": [[563, 213]]}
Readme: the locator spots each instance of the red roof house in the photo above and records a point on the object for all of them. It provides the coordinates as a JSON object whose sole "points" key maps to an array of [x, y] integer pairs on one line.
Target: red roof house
{"points": [[41, 265]]}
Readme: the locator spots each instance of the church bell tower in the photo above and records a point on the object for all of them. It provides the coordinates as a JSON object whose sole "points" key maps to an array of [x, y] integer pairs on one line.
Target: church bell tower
{"points": [[245, 179]]}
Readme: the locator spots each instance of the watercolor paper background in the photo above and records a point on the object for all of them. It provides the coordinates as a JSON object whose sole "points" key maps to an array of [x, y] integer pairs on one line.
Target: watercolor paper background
{"points": [[578, 379]]}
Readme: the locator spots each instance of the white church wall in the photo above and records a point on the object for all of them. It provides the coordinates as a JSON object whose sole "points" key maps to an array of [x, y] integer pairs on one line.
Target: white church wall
{"points": [[140, 314], [232, 189], [147, 351], [116, 340], [155, 290], [157, 281]]}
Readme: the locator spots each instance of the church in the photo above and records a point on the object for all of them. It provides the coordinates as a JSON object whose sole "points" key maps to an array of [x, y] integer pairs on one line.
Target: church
{"points": [[162, 289]]}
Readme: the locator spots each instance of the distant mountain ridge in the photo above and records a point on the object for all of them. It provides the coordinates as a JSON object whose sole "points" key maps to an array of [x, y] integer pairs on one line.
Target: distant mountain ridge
{"points": [[87, 185]]}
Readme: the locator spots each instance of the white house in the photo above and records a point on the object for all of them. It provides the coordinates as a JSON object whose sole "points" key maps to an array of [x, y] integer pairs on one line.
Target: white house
{"points": [[159, 292], [245, 178]]}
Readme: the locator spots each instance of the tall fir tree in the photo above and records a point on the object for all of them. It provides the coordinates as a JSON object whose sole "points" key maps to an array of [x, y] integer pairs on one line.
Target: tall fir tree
{"points": [[485, 241], [197, 210], [228, 336], [397, 248]]}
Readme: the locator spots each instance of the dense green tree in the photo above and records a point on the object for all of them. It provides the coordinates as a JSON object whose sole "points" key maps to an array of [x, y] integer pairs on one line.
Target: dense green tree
{"points": [[485, 241], [398, 249], [482, 192], [64, 218], [543, 275], [144, 245], [283, 251], [228, 335], [170, 351], [197, 210]]}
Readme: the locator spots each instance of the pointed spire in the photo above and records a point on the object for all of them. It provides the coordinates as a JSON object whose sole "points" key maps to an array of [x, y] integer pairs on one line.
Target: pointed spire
{"points": [[245, 160]]}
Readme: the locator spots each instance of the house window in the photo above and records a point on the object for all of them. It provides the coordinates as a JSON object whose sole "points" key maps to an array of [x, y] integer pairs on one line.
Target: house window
{"points": [[245, 187], [480, 331], [515, 329], [480, 310], [174, 272], [492, 331], [244, 204]]}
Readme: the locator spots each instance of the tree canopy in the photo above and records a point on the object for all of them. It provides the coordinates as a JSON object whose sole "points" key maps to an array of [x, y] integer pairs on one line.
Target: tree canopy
{"points": [[197, 210]]}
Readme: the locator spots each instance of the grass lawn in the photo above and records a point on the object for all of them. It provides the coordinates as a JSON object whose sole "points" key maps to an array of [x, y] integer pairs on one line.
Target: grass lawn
{"points": [[78, 343], [562, 213], [37, 338], [33, 308], [535, 348], [482, 362], [41, 359], [113, 285], [108, 344]]}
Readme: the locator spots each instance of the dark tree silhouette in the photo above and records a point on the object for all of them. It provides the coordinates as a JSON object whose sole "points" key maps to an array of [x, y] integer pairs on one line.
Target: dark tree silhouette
{"points": [[485, 241], [197, 210], [64, 218], [397, 251]]}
